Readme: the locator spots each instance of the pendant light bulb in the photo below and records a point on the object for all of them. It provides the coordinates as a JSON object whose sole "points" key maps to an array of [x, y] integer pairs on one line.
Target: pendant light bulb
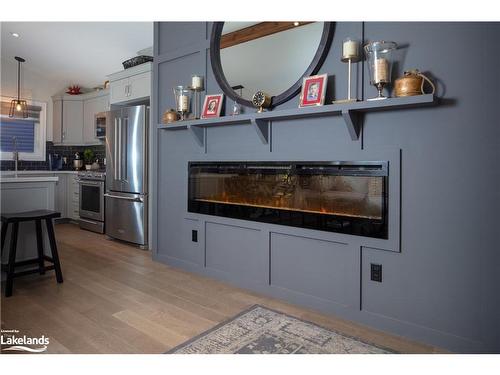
{"points": [[19, 107]]}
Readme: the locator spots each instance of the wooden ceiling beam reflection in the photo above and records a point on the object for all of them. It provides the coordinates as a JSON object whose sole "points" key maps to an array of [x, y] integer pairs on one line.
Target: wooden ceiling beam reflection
{"points": [[256, 31]]}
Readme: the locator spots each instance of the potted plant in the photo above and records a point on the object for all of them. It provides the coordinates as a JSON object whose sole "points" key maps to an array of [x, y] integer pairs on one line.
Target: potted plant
{"points": [[88, 156]]}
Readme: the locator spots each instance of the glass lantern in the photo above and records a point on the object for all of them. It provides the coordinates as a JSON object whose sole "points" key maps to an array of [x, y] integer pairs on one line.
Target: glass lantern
{"points": [[379, 56], [182, 101]]}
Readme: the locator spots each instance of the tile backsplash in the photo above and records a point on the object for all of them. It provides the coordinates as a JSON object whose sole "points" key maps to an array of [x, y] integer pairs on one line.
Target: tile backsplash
{"points": [[50, 148]]}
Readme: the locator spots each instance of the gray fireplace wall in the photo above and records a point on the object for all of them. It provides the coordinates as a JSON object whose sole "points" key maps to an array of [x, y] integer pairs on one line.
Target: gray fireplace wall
{"points": [[441, 264]]}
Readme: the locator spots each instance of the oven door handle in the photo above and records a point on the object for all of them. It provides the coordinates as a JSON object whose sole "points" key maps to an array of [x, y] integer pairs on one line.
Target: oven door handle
{"points": [[140, 200], [89, 182]]}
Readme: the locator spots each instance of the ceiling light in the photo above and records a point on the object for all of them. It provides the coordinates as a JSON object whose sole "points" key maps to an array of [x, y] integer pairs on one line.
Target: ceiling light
{"points": [[18, 105], [296, 23], [15, 35]]}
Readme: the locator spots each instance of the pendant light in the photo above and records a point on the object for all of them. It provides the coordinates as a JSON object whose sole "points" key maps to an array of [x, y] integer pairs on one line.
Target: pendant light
{"points": [[18, 106]]}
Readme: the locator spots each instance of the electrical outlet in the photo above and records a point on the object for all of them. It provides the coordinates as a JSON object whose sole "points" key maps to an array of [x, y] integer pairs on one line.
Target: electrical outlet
{"points": [[194, 235], [376, 272]]}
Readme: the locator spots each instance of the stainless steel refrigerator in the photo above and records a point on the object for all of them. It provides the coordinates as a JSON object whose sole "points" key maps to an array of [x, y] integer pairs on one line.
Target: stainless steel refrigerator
{"points": [[126, 214]]}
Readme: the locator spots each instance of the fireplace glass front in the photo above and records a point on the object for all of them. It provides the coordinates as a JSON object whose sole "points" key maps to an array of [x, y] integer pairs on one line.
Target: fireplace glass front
{"points": [[344, 197]]}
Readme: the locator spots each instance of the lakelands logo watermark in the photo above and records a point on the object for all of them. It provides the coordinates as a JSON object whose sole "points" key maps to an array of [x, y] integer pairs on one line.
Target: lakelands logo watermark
{"points": [[12, 340]]}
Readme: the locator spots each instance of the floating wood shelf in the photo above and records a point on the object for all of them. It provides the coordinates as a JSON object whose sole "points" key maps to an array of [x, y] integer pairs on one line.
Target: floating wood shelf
{"points": [[350, 112]]}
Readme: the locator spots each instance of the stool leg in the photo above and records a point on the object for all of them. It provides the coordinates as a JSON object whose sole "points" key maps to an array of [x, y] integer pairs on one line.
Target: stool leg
{"points": [[53, 249], [39, 245], [12, 260], [4, 234]]}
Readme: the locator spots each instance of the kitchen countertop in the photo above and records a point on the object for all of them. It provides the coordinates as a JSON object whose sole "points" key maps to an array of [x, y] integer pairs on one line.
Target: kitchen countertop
{"points": [[10, 178], [36, 172]]}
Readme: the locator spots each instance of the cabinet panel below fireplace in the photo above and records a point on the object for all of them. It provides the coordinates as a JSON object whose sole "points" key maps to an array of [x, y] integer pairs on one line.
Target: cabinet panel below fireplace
{"points": [[323, 269], [237, 252]]}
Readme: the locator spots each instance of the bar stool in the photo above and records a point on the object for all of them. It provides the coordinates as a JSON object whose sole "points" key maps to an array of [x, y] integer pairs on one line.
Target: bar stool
{"points": [[37, 216]]}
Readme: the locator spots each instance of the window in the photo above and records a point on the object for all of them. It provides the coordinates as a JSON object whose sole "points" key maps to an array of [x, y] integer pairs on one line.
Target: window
{"points": [[17, 135], [29, 133]]}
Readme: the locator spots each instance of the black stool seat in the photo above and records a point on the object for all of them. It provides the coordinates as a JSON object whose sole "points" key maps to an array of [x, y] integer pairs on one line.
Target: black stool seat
{"points": [[29, 216], [37, 216]]}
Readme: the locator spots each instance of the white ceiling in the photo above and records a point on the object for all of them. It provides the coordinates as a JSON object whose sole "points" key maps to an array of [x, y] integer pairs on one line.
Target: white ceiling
{"points": [[80, 53]]}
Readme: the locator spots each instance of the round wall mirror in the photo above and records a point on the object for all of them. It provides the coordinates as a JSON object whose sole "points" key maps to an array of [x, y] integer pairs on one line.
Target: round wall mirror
{"points": [[272, 57]]}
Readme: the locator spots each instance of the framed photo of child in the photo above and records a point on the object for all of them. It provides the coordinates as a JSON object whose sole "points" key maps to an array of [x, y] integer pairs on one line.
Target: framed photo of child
{"points": [[212, 106], [313, 91]]}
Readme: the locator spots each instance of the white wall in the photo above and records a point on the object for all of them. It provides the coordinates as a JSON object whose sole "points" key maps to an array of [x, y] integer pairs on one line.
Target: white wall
{"points": [[34, 86]]}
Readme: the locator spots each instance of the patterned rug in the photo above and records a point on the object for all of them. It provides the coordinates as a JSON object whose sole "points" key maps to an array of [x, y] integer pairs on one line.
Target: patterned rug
{"points": [[259, 330]]}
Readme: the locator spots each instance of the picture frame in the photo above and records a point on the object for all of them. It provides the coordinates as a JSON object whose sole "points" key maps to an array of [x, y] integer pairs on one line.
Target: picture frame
{"points": [[212, 106], [313, 90]]}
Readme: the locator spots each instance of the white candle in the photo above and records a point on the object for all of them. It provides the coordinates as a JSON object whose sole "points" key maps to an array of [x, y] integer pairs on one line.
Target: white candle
{"points": [[350, 49], [381, 71], [183, 103], [197, 82]]}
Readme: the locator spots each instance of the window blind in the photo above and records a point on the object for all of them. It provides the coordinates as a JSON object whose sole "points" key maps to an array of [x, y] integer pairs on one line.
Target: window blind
{"points": [[22, 130]]}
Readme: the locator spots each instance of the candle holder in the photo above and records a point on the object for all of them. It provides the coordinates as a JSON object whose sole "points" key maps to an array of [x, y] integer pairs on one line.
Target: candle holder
{"points": [[379, 56], [350, 54], [196, 87], [182, 98]]}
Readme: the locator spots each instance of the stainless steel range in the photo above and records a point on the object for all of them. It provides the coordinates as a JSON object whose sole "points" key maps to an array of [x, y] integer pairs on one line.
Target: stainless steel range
{"points": [[92, 200]]}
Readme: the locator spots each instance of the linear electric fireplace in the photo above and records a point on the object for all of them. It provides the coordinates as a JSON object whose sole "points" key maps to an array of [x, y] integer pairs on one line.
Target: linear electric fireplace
{"points": [[344, 197]]}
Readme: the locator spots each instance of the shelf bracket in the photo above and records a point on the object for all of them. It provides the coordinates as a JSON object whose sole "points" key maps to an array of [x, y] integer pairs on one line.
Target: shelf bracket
{"points": [[351, 119], [198, 134], [262, 129]]}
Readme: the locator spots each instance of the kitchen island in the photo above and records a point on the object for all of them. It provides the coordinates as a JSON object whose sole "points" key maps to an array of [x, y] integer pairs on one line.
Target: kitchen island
{"points": [[26, 193]]}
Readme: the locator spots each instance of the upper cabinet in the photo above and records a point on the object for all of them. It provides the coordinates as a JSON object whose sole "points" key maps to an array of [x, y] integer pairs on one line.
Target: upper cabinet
{"points": [[57, 111], [91, 107], [72, 121], [67, 120], [131, 84], [74, 117]]}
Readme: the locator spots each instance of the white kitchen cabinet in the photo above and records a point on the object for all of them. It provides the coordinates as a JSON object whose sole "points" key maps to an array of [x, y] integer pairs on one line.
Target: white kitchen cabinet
{"points": [[73, 117], [72, 122], [140, 86], [67, 125], [57, 120], [66, 193], [72, 198], [118, 91], [91, 107], [60, 198], [130, 85]]}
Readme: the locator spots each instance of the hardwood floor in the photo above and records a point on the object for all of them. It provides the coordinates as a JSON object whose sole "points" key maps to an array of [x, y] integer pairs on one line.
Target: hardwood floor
{"points": [[115, 299]]}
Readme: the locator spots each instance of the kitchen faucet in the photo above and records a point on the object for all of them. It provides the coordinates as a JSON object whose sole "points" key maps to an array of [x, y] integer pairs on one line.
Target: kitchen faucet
{"points": [[15, 154]]}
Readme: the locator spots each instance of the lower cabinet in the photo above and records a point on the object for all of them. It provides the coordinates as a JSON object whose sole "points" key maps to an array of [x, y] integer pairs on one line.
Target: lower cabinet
{"points": [[72, 198], [67, 193], [60, 198], [67, 199]]}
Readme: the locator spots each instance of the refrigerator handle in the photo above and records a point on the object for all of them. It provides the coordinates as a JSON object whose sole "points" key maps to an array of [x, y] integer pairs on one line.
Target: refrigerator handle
{"points": [[118, 140], [139, 200], [115, 151], [124, 138]]}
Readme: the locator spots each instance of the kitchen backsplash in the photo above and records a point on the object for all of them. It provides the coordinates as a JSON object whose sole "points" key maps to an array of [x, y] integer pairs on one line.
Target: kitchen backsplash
{"points": [[65, 151]]}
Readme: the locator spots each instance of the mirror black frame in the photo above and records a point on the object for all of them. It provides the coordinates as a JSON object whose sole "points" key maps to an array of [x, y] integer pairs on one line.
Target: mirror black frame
{"points": [[312, 69]]}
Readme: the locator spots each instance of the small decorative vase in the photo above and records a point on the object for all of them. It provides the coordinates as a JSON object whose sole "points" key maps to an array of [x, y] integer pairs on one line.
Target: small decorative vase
{"points": [[170, 116], [412, 83]]}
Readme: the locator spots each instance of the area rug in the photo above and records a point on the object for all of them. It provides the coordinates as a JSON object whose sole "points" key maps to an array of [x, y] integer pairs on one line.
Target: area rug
{"points": [[259, 330]]}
